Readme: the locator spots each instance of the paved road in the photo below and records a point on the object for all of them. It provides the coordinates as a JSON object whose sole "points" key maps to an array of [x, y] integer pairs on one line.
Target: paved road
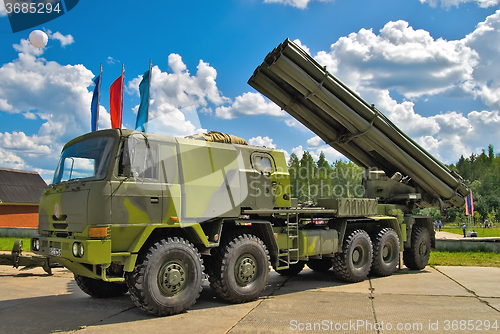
{"points": [[428, 301]]}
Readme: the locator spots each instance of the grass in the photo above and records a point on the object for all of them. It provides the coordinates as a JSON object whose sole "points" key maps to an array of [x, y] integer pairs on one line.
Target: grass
{"points": [[476, 259], [437, 258], [6, 243], [481, 232]]}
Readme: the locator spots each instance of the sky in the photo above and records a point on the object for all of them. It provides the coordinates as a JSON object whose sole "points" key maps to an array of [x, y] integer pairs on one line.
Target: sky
{"points": [[431, 66]]}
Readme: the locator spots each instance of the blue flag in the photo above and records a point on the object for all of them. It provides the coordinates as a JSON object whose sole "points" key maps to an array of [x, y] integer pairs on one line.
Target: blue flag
{"points": [[94, 108], [142, 112]]}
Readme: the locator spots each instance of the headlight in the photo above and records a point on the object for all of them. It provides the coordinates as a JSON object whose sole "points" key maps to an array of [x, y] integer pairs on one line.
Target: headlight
{"points": [[35, 245], [75, 249], [80, 250]]}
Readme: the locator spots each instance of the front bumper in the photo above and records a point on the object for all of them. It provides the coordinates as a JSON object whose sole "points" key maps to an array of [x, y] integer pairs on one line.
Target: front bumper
{"points": [[95, 252]]}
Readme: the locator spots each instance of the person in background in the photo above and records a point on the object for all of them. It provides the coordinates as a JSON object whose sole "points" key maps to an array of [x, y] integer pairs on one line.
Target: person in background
{"points": [[464, 227]]}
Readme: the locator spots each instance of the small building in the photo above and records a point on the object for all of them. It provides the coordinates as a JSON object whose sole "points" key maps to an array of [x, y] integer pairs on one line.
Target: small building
{"points": [[20, 192]]}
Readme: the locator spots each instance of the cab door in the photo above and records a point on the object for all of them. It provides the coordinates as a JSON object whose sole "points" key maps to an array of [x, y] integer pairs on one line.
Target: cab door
{"points": [[137, 195], [262, 181]]}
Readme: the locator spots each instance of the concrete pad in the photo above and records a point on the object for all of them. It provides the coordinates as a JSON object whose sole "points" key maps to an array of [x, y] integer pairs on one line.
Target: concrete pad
{"points": [[206, 316], [19, 286], [483, 281], [294, 312], [447, 235], [492, 302], [428, 314], [309, 280], [63, 312], [417, 282]]}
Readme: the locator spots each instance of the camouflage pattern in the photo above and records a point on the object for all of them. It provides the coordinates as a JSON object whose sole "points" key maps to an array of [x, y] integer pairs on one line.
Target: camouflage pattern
{"points": [[153, 182]]}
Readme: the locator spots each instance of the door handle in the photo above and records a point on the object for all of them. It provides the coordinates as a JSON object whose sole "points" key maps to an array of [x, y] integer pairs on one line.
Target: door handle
{"points": [[155, 200]]}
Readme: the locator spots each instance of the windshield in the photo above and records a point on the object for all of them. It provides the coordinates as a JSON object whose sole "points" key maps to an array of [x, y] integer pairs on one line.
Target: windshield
{"points": [[88, 159]]}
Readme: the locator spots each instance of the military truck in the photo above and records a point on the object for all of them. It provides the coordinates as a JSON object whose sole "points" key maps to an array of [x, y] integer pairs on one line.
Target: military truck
{"points": [[150, 214]]}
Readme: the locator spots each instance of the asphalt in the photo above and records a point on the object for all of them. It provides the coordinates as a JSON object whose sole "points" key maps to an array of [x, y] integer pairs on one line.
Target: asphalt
{"points": [[434, 300]]}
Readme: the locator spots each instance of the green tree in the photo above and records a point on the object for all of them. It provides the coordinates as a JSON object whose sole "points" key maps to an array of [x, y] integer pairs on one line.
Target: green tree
{"points": [[306, 178], [323, 172], [293, 169]]}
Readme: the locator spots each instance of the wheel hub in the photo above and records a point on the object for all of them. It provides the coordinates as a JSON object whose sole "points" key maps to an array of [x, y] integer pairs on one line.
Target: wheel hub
{"points": [[385, 252], [171, 278], [355, 256], [245, 269], [358, 256], [422, 249]]}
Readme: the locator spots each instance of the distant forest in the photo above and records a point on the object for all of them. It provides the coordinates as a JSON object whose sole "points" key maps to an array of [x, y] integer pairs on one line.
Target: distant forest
{"points": [[311, 180]]}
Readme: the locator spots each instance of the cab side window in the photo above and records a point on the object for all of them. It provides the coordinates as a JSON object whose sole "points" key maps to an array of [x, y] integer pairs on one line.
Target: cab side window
{"points": [[139, 159], [262, 163]]}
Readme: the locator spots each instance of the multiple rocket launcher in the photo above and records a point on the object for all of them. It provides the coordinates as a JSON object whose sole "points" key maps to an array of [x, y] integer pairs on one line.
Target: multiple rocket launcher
{"points": [[292, 79]]}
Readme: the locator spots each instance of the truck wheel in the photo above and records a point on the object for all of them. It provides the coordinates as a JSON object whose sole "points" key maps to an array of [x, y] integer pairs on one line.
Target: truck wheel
{"points": [[353, 264], [100, 289], [292, 270], [417, 256], [385, 252], [241, 269], [320, 265], [167, 279]]}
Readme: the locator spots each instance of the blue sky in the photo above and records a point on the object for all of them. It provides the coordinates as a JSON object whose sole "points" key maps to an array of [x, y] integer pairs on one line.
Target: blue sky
{"points": [[429, 65]]}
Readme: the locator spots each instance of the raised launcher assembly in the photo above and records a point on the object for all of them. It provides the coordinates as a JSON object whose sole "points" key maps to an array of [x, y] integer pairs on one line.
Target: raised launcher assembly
{"points": [[399, 171]]}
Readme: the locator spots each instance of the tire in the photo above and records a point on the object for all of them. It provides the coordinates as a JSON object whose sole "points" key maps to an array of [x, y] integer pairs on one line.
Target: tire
{"points": [[240, 269], [167, 278], [320, 265], [354, 263], [292, 270], [417, 256], [100, 289], [385, 252]]}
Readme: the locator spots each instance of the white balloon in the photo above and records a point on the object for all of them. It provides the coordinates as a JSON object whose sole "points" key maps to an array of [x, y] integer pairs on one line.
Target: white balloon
{"points": [[38, 39]]}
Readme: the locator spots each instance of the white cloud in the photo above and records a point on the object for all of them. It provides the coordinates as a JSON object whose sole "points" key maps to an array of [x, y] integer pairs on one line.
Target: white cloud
{"points": [[298, 151], [43, 90], [112, 60], [302, 46], [249, 104], [178, 123], [293, 123], [11, 159], [417, 65], [301, 4], [447, 135], [19, 141], [259, 141], [26, 49], [176, 97], [456, 3], [401, 58], [316, 145], [64, 40], [485, 40]]}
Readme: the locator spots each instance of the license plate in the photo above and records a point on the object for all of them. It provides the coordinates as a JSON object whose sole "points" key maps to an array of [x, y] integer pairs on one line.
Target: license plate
{"points": [[55, 251]]}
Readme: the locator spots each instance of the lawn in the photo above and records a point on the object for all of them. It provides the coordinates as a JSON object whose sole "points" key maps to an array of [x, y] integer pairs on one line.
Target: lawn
{"points": [[6, 244], [437, 258], [476, 259], [481, 232]]}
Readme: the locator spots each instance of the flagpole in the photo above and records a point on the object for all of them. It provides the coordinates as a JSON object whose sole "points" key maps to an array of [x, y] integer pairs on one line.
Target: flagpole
{"points": [[121, 96], [146, 126], [98, 96]]}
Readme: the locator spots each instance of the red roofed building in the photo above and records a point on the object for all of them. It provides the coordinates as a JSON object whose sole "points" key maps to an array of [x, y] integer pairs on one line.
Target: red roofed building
{"points": [[19, 196]]}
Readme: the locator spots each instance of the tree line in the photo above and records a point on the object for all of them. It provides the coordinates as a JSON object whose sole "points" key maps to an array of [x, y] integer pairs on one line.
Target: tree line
{"points": [[311, 180]]}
